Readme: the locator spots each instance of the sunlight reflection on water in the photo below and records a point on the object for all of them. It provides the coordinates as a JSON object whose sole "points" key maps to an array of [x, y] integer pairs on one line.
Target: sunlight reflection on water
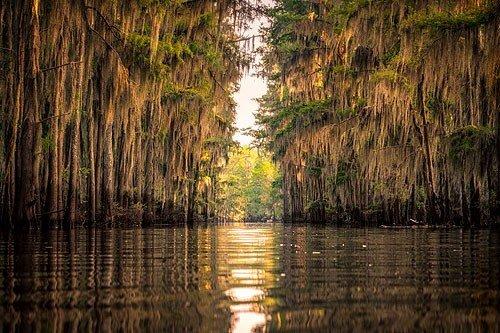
{"points": [[249, 277], [253, 245], [245, 313]]}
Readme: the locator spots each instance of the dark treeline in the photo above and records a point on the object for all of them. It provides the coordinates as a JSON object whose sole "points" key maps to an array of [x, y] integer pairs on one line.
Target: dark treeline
{"points": [[115, 108], [385, 110]]}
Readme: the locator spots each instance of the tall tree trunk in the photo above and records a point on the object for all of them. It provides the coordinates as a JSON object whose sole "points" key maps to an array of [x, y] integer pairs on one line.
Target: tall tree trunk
{"points": [[27, 191], [434, 211], [74, 169], [52, 206], [496, 106], [13, 101], [148, 166], [193, 193], [107, 174], [92, 160]]}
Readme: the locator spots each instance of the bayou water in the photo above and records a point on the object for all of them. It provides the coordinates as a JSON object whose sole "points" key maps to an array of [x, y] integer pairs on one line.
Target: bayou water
{"points": [[250, 277]]}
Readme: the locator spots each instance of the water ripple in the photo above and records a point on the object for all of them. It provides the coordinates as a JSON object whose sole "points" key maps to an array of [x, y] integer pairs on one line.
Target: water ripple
{"points": [[250, 277]]}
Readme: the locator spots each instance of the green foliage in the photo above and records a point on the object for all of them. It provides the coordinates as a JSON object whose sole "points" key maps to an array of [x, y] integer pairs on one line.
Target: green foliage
{"points": [[168, 52], [84, 171], [250, 186], [218, 141], [383, 144], [314, 171], [203, 21], [346, 113], [48, 143], [206, 20], [343, 173], [139, 47], [444, 20], [290, 48], [436, 105], [315, 165], [340, 14], [284, 15], [361, 103], [283, 33], [299, 115], [139, 53], [202, 92], [344, 70], [389, 56], [163, 3], [341, 177], [470, 139], [420, 197], [315, 205], [391, 76], [385, 75]]}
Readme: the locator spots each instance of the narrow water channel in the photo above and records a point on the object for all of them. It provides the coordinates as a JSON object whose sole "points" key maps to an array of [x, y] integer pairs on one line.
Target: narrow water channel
{"points": [[250, 277]]}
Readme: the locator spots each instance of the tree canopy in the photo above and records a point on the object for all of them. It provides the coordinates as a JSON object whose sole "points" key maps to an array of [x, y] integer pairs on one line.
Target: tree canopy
{"points": [[384, 110], [249, 187]]}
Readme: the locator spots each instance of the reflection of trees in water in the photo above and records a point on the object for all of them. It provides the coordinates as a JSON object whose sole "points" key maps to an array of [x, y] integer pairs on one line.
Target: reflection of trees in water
{"points": [[107, 279], [368, 279], [263, 277]]}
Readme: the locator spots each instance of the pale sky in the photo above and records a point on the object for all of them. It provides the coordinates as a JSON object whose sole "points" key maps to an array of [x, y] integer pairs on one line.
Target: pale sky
{"points": [[251, 87]]}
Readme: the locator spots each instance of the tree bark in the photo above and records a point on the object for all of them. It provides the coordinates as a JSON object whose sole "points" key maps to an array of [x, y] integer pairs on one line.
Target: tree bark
{"points": [[27, 191], [434, 211]]}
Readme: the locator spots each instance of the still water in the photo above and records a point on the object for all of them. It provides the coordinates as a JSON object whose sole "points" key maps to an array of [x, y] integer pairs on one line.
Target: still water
{"points": [[250, 277]]}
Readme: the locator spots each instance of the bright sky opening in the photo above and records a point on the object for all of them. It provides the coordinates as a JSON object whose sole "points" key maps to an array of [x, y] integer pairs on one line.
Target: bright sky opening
{"points": [[251, 88]]}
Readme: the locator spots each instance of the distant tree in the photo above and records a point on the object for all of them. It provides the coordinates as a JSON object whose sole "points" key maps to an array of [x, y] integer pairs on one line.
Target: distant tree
{"points": [[247, 187]]}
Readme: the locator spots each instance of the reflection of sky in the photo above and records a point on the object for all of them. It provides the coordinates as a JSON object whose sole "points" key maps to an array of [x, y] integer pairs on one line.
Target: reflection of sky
{"points": [[248, 268], [251, 87], [249, 277]]}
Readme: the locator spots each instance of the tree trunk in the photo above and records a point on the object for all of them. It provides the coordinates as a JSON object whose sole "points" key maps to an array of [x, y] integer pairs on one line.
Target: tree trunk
{"points": [[434, 211], [91, 155], [26, 195], [107, 176], [11, 133], [74, 171]]}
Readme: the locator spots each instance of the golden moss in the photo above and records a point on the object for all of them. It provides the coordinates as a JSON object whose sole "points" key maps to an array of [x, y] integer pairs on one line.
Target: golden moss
{"points": [[405, 106], [130, 92]]}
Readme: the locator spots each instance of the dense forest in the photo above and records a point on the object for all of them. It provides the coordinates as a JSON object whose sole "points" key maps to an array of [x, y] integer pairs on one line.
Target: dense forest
{"points": [[384, 110], [116, 108], [377, 110], [249, 165], [249, 187]]}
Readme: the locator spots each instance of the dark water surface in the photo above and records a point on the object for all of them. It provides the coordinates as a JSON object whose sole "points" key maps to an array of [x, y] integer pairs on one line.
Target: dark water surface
{"points": [[250, 277]]}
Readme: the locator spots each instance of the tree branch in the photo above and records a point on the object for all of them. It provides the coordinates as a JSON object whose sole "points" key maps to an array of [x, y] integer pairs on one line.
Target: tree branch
{"points": [[244, 39], [59, 66], [113, 27], [52, 117], [216, 81]]}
